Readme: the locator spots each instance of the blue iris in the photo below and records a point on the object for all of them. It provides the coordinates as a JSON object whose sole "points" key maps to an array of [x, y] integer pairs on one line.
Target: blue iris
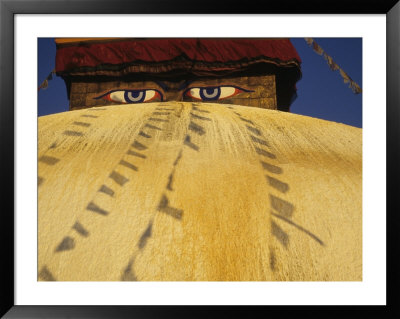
{"points": [[210, 93], [134, 96]]}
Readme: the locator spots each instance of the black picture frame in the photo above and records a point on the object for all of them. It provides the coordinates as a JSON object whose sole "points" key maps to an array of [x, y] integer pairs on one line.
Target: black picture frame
{"points": [[8, 10]]}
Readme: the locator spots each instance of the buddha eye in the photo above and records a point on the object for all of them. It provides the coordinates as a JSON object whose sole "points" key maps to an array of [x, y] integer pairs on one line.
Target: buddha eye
{"points": [[131, 96], [214, 93]]}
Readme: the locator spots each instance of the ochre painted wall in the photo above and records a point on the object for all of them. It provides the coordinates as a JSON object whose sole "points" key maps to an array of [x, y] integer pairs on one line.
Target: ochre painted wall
{"points": [[198, 191]]}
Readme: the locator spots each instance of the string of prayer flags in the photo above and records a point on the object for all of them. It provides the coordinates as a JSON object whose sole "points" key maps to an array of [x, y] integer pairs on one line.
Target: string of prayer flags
{"points": [[309, 41], [45, 83], [317, 48], [333, 66], [344, 75]]}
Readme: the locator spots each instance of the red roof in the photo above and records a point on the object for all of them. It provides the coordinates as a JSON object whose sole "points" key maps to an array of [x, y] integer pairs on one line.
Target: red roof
{"points": [[91, 57]]}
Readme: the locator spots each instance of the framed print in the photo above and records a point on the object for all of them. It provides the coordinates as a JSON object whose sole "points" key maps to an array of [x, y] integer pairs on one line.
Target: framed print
{"points": [[186, 159]]}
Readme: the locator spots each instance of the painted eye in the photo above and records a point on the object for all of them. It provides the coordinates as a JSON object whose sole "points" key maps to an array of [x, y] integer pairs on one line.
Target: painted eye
{"points": [[132, 96], [214, 93]]}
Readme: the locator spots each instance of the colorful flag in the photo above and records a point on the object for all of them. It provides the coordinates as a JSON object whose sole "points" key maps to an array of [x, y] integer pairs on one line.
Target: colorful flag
{"points": [[309, 41], [317, 48], [346, 78], [45, 83], [332, 65]]}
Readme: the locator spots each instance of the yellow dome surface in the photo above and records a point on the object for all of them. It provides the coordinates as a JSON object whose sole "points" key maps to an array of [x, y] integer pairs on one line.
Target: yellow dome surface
{"points": [[180, 191]]}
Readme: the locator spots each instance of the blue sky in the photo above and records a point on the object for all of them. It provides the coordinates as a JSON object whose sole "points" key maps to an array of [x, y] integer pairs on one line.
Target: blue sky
{"points": [[321, 92]]}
